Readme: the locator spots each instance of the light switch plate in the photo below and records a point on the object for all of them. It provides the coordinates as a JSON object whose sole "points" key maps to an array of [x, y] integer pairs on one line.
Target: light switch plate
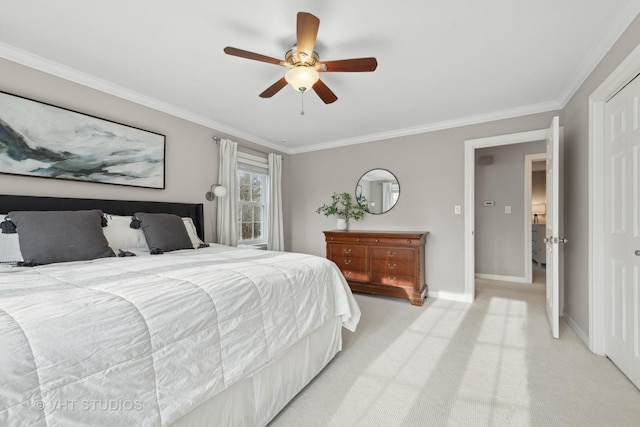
{"points": [[457, 209], [507, 209]]}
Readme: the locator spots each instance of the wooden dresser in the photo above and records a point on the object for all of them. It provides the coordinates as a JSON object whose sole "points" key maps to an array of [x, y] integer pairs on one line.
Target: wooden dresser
{"points": [[383, 263]]}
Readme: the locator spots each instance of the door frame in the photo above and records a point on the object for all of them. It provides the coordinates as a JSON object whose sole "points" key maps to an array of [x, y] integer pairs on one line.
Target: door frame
{"points": [[628, 69], [470, 147]]}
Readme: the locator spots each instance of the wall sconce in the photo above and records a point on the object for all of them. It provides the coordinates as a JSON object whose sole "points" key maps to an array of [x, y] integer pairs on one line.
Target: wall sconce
{"points": [[215, 191], [538, 209]]}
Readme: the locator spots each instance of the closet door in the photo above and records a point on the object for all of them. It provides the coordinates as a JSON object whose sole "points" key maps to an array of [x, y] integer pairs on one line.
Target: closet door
{"points": [[622, 237]]}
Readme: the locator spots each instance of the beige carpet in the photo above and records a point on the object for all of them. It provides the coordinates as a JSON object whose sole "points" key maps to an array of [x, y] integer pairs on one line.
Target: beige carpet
{"points": [[491, 363]]}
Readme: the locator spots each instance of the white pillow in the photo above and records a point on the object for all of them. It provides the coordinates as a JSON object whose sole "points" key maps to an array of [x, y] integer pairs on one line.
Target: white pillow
{"points": [[120, 235], [9, 247], [191, 231]]}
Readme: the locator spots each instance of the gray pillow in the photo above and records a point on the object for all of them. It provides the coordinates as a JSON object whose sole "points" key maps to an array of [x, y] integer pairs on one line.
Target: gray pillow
{"points": [[57, 236], [165, 232]]}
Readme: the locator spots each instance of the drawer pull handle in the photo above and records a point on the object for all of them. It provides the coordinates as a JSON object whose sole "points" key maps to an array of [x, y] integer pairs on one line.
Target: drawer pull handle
{"points": [[347, 261], [392, 266], [409, 241], [392, 254], [347, 251], [393, 279], [347, 273], [377, 240]]}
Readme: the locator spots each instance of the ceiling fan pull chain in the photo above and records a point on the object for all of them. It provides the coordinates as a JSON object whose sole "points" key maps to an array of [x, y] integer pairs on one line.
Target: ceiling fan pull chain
{"points": [[302, 103]]}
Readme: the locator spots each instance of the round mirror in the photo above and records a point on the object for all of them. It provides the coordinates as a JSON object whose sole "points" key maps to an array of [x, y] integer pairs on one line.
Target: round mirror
{"points": [[379, 190]]}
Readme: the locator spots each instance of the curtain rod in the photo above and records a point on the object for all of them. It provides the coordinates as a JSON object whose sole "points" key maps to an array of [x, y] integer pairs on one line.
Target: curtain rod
{"points": [[217, 141]]}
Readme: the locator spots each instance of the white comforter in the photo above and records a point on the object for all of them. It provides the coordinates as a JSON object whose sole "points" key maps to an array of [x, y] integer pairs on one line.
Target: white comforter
{"points": [[143, 340]]}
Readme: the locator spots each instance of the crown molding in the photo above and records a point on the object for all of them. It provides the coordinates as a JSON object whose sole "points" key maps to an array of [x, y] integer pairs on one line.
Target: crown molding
{"points": [[56, 69], [600, 50], [432, 127]]}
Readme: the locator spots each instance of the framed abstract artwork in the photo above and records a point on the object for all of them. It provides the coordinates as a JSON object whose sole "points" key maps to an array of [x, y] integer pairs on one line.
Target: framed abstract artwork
{"points": [[42, 140]]}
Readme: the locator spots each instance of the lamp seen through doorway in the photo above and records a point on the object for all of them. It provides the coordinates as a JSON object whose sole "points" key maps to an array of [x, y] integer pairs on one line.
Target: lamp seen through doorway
{"points": [[215, 191], [538, 209]]}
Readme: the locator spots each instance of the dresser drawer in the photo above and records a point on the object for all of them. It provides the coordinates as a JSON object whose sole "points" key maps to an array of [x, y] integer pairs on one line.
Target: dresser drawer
{"points": [[390, 241], [355, 276], [393, 279], [348, 250], [346, 238], [397, 267], [393, 254], [351, 263]]}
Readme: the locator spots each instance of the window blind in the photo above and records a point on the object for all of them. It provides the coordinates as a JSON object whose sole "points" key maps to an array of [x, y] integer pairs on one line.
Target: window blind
{"points": [[253, 163]]}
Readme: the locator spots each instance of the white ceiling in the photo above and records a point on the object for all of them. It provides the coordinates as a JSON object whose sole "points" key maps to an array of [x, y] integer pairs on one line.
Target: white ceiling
{"points": [[440, 63]]}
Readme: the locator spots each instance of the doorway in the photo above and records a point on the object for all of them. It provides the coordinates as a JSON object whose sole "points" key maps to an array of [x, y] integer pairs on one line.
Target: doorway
{"points": [[536, 200], [505, 201], [470, 164]]}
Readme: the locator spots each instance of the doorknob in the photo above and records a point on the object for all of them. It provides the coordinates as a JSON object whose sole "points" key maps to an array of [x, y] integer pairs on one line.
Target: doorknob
{"points": [[555, 240], [637, 252]]}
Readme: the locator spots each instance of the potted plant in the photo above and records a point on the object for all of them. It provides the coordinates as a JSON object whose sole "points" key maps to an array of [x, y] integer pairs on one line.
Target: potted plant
{"points": [[344, 208]]}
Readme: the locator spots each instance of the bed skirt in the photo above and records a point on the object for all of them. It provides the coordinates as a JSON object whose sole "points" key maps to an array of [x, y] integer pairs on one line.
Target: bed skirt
{"points": [[256, 400]]}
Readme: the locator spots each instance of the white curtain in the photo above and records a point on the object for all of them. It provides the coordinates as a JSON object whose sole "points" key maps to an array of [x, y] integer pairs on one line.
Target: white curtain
{"points": [[387, 196], [227, 207], [276, 229]]}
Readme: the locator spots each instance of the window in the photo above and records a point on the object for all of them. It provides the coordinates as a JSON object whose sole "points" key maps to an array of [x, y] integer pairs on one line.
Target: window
{"points": [[252, 199]]}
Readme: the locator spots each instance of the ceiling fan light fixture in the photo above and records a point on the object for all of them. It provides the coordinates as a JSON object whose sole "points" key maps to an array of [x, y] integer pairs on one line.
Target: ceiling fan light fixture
{"points": [[302, 78]]}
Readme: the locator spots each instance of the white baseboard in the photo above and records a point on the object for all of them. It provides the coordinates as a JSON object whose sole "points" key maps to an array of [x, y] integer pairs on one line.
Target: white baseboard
{"points": [[501, 278], [575, 328], [452, 296]]}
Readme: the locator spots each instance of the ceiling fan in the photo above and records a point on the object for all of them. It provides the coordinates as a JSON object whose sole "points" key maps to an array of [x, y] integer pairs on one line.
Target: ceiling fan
{"points": [[304, 63]]}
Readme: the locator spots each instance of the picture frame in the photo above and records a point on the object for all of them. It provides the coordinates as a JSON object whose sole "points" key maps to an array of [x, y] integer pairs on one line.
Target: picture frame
{"points": [[42, 140]]}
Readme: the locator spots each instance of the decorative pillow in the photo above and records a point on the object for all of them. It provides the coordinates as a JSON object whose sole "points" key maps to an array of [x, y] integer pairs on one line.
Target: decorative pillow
{"points": [[192, 232], [164, 232], [120, 235], [58, 236], [10, 254]]}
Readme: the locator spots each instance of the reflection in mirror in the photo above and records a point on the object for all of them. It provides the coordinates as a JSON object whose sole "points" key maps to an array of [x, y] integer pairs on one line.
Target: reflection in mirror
{"points": [[380, 189]]}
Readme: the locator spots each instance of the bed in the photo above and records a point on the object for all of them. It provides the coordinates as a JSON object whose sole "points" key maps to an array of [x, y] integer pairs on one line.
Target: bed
{"points": [[188, 337]]}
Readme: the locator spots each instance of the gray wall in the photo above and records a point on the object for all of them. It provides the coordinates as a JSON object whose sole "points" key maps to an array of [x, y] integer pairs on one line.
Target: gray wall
{"points": [[499, 237], [430, 170]]}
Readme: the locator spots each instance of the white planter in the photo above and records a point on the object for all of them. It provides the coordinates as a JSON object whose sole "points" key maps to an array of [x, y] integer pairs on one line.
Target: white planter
{"points": [[342, 224]]}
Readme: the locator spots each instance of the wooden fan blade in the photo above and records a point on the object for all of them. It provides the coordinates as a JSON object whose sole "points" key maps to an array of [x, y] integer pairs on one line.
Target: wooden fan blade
{"points": [[324, 92], [307, 32], [274, 88], [349, 65], [250, 55]]}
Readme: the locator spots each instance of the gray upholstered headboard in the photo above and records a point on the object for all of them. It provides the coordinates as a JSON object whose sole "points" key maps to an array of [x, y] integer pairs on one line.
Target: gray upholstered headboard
{"points": [[114, 207]]}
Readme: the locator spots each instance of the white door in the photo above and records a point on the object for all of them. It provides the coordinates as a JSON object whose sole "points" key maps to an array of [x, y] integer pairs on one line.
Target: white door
{"points": [[622, 226], [554, 240]]}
